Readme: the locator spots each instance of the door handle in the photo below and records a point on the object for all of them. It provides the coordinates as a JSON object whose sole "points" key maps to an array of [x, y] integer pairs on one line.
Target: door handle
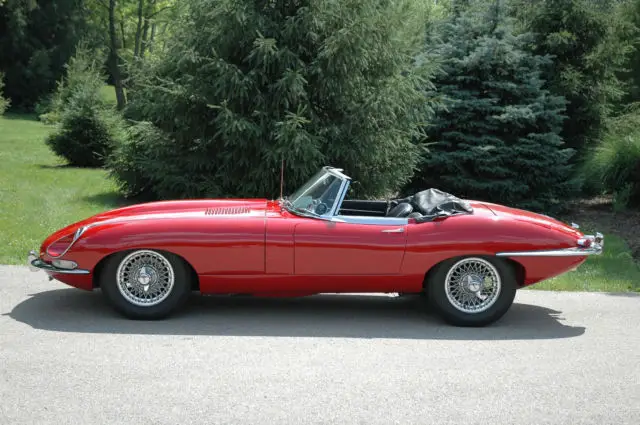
{"points": [[398, 230]]}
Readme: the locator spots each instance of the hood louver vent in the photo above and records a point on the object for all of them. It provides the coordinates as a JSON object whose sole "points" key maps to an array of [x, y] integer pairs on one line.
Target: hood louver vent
{"points": [[226, 211]]}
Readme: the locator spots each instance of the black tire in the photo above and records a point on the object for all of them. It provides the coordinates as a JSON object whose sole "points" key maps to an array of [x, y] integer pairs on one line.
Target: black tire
{"points": [[171, 300], [439, 301]]}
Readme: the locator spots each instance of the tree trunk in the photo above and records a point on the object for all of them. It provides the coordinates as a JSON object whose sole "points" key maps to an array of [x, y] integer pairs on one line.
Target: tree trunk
{"points": [[124, 39], [164, 39], [153, 35], [145, 32], [114, 59], [136, 48]]}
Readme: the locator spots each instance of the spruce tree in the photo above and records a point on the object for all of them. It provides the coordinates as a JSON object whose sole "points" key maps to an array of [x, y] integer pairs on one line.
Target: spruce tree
{"points": [[496, 136], [246, 84]]}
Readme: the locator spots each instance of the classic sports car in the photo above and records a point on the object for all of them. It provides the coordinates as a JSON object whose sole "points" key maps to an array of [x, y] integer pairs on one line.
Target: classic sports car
{"points": [[467, 257]]}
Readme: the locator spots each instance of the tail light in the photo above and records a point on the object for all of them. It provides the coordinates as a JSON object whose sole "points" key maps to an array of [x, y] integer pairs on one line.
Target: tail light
{"points": [[584, 242]]}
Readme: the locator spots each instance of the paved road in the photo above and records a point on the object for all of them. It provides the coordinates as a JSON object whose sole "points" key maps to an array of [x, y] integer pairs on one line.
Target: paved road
{"points": [[555, 358]]}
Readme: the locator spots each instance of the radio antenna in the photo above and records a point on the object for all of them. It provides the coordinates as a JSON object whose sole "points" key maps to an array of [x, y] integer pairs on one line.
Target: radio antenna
{"points": [[281, 178]]}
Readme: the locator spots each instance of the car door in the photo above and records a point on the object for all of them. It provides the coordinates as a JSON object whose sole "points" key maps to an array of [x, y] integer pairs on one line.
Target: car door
{"points": [[353, 247]]}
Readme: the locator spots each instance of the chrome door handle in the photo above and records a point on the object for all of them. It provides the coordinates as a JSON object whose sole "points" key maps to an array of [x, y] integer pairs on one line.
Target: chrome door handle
{"points": [[398, 230]]}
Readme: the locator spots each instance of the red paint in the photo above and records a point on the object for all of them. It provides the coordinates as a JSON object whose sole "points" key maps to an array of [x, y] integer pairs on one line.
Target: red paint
{"points": [[269, 251]]}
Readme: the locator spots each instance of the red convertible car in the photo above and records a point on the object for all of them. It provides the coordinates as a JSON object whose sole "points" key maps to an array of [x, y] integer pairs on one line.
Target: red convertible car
{"points": [[467, 257]]}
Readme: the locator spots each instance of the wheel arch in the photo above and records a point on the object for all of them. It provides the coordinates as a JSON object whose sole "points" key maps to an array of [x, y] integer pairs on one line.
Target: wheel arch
{"points": [[97, 270], [518, 268]]}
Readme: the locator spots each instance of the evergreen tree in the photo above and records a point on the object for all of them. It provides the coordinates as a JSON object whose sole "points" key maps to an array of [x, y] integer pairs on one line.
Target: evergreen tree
{"points": [[629, 14], [247, 83], [496, 136], [580, 36], [37, 38]]}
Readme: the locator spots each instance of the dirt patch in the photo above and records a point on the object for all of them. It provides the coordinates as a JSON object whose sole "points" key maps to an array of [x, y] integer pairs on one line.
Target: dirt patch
{"points": [[598, 214]]}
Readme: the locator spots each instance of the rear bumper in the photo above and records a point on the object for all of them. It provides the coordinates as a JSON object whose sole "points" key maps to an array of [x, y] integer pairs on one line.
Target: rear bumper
{"points": [[595, 247], [35, 264]]}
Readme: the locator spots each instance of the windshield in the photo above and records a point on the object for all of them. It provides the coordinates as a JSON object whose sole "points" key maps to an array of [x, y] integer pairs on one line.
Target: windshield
{"points": [[317, 196]]}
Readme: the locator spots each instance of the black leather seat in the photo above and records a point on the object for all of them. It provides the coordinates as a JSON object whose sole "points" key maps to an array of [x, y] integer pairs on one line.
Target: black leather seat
{"points": [[403, 209]]}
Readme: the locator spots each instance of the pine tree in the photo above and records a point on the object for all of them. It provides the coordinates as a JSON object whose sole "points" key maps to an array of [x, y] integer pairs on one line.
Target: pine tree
{"points": [[496, 137], [247, 84]]}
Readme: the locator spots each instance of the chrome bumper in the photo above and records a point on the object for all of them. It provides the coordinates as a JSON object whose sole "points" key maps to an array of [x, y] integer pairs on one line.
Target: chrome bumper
{"points": [[596, 247], [36, 264]]}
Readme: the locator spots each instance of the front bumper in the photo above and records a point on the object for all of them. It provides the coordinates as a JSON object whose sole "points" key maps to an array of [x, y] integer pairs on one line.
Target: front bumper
{"points": [[35, 264], [595, 248]]}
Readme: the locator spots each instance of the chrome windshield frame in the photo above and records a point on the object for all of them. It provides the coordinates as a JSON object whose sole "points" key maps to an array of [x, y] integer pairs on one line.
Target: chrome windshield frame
{"points": [[331, 214]]}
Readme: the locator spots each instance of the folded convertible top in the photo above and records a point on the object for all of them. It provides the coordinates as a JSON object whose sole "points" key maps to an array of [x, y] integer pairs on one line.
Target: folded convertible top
{"points": [[432, 203]]}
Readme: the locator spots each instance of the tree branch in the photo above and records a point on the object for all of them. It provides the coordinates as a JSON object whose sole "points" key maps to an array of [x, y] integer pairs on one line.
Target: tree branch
{"points": [[158, 11], [103, 3]]}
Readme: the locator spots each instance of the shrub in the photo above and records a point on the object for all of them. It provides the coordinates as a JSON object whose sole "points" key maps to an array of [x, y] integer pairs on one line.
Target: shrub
{"points": [[132, 161], [496, 136], [82, 74], [246, 84], [615, 163], [88, 128], [4, 103], [86, 136]]}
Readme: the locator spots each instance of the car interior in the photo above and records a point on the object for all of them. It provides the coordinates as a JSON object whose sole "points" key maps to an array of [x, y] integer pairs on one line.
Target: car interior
{"points": [[423, 206]]}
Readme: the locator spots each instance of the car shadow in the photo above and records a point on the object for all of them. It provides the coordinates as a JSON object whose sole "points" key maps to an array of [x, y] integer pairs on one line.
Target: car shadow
{"points": [[332, 316]]}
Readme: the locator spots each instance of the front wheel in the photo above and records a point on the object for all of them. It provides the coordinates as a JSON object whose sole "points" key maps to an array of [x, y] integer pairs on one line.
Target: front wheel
{"points": [[472, 291], [145, 284]]}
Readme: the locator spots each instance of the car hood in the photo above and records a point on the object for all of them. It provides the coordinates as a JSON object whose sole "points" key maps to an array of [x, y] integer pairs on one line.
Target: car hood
{"points": [[531, 217], [210, 208], [186, 208]]}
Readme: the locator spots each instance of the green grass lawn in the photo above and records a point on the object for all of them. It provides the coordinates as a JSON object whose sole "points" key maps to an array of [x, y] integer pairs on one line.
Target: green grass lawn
{"points": [[613, 271], [38, 193]]}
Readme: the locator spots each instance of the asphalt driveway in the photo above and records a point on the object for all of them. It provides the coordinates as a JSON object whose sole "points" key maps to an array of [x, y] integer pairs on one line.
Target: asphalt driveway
{"points": [[555, 358]]}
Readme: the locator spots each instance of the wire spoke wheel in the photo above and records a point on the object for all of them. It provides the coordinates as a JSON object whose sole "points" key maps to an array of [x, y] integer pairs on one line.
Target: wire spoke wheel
{"points": [[472, 285], [145, 278]]}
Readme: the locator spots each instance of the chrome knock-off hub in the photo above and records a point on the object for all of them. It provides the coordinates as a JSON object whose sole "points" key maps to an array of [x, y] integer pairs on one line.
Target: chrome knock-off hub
{"points": [[147, 275], [473, 282]]}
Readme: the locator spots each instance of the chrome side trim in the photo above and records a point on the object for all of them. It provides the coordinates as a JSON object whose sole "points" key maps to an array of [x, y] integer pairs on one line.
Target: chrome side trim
{"points": [[568, 252], [36, 264], [597, 245], [378, 221]]}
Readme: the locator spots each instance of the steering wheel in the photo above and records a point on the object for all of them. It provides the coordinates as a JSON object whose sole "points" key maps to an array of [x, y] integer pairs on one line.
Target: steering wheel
{"points": [[321, 208]]}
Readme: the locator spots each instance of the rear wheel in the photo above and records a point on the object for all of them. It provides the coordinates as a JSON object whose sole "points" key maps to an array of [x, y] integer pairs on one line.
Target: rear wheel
{"points": [[472, 291], [145, 284]]}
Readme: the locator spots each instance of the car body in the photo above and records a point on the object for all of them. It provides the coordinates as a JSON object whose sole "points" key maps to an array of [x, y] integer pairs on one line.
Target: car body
{"points": [[314, 241]]}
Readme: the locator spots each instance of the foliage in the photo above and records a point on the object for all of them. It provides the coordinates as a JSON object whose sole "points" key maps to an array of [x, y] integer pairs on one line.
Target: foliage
{"points": [[38, 38], [88, 128], [144, 154], [615, 163], [496, 136], [83, 72], [581, 37], [4, 103], [629, 13], [247, 84]]}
